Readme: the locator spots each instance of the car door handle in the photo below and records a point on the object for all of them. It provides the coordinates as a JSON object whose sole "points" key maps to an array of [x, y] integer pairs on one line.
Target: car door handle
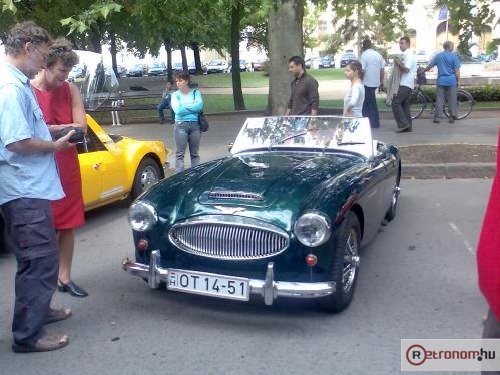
{"points": [[96, 166]]}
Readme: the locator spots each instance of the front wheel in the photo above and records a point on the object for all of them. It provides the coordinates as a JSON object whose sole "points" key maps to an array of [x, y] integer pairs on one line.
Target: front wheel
{"points": [[464, 105], [345, 264], [417, 104], [147, 174]]}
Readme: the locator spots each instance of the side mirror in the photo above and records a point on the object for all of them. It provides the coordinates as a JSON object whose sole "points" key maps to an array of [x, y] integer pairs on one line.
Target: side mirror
{"points": [[229, 147]]}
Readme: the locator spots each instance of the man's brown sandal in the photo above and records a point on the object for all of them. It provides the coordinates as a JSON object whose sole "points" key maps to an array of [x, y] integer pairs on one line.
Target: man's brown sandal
{"points": [[51, 341], [56, 315]]}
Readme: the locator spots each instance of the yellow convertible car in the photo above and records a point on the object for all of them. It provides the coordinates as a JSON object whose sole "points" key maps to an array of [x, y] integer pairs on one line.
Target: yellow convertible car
{"points": [[115, 168]]}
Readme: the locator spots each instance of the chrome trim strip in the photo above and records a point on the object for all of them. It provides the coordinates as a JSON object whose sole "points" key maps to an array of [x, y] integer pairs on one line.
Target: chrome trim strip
{"points": [[237, 195], [268, 288]]}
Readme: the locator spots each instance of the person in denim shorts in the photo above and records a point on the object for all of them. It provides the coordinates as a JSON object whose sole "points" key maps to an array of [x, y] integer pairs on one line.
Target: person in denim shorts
{"points": [[187, 104]]}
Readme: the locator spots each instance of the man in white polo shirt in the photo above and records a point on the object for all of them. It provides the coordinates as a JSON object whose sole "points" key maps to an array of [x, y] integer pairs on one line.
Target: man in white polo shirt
{"points": [[401, 102]]}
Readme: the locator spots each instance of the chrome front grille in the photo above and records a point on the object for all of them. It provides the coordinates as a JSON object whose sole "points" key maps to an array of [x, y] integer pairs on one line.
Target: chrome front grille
{"points": [[229, 237], [239, 195]]}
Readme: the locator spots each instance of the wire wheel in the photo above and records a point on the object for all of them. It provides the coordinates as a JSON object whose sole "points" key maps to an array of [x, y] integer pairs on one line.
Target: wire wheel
{"points": [[344, 264]]}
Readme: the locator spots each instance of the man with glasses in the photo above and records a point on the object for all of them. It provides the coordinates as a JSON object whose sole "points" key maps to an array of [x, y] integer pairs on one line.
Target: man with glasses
{"points": [[29, 180]]}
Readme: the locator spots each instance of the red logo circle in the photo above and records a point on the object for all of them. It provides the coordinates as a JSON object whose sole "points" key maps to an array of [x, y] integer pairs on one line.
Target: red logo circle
{"points": [[412, 349]]}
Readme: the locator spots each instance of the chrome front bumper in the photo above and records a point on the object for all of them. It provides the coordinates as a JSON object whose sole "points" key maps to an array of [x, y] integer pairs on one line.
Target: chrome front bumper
{"points": [[268, 288]]}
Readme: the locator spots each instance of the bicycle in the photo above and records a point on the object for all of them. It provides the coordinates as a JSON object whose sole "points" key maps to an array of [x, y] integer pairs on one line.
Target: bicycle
{"points": [[419, 100]]}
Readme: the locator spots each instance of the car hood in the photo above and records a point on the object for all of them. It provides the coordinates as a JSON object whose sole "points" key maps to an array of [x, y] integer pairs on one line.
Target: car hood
{"points": [[275, 187]]}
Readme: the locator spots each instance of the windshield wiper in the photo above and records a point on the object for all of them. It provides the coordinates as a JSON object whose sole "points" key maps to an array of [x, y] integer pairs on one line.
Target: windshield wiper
{"points": [[349, 143], [288, 138]]}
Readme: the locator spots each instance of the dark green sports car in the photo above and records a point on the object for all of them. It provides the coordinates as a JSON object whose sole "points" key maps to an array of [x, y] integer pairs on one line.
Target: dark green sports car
{"points": [[283, 216]]}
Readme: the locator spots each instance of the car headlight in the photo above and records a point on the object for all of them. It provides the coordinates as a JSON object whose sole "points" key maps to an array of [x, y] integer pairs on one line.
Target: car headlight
{"points": [[142, 216], [312, 229]]}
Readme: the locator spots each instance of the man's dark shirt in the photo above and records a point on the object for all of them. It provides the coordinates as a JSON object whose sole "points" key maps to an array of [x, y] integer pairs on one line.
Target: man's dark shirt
{"points": [[304, 97]]}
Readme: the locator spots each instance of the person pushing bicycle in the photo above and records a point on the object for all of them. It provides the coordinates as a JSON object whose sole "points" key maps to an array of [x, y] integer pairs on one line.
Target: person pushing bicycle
{"points": [[448, 66]]}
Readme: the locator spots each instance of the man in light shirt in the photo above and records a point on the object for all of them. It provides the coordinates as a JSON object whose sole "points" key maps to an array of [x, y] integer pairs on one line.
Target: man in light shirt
{"points": [[401, 102], [29, 181], [373, 66]]}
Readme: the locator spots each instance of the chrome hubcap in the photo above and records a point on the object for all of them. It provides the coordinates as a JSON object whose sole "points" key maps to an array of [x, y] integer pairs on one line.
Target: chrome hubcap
{"points": [[395, 196], [148, 178], [351, 261]]}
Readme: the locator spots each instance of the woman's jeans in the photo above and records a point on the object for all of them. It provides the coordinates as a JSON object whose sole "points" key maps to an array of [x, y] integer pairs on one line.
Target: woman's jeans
{"points": [[186, 132]]}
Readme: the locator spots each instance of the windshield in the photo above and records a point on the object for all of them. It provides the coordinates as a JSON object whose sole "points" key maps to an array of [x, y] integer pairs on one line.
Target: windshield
{"points": [[96, 83], [305, 132]]}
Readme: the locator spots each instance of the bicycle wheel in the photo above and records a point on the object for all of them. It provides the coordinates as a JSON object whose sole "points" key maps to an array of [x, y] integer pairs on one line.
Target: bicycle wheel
{"points": [[417, 104], [464, 104]]}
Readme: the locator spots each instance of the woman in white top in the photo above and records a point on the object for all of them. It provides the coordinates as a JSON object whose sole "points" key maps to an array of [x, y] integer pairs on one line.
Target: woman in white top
{"points": [[353, 101]]}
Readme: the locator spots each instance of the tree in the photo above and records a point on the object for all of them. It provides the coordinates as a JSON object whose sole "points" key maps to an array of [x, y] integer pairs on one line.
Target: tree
{"points": [[468, 17], [46, 14], [380, 20], [285, 40], [236, 14]]}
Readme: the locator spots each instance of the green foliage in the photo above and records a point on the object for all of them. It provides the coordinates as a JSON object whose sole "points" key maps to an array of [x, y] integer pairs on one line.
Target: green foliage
{"points": [[482, 93], [381, 20], [310, 23], [85, 19], [8, 5], [492, 46], [469, 17]]}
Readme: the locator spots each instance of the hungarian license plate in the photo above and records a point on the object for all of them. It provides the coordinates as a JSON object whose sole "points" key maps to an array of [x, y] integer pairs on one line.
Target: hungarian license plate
{"points": [[208, 284]]}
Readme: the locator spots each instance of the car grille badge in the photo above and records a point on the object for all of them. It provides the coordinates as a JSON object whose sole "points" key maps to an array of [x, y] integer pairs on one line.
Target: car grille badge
{"points": [[229, 210]]}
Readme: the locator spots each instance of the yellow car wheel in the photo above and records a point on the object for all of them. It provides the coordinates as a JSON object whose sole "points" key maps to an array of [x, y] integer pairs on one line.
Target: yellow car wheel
{"points": [[147, 174]]}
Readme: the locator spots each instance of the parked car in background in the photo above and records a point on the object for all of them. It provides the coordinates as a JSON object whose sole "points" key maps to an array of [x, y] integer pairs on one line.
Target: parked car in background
{"points": [[259, 65], [326, 62], [177, 67], [312, 63], [135, 70], [192, 68], [217, 66], [284, 216], [243, 66], [122, 71], [471, 67], [346, 58], [423, 58], [79, 71], [157, 69]]}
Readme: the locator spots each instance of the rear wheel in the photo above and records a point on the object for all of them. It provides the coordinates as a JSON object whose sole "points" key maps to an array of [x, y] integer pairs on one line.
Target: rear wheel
{"points": [[464, 105], [147, 174], [345, 264], [417, 104]]}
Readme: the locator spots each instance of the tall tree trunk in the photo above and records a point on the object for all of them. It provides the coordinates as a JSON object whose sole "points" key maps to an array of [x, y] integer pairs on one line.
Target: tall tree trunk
{"points": [[95, 41], [113, 50], [196, 54], [168, 49], [285, 41], [360, 29], [183, 57], [236, 9]]}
